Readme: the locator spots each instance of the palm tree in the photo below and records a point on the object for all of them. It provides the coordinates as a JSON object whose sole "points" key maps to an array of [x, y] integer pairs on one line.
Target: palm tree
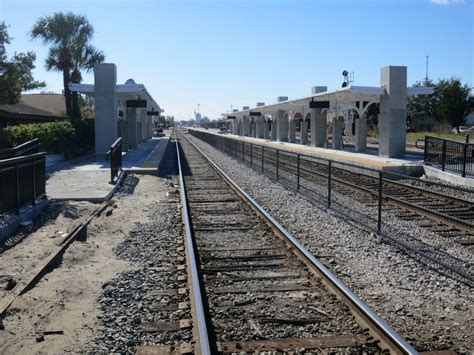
{"points": [[70, 51]]}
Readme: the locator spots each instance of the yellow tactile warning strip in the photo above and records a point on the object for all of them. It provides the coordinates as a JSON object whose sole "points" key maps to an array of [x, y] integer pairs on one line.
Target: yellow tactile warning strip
{"points": [[364, 160]]}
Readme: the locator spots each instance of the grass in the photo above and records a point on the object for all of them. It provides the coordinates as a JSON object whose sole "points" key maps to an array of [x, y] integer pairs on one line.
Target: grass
{"points": [[412, 137]]}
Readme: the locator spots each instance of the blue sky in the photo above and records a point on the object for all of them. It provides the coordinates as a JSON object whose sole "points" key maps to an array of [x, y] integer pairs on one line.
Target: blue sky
{"points": [[236, 52]]}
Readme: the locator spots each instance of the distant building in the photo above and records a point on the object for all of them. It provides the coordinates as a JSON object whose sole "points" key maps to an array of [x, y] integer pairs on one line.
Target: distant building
{"points": [[33, 108]]}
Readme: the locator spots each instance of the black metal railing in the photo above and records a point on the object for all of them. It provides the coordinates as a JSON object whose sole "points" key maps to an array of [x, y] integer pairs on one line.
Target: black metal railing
{"points": [[22, 180], [299, 172], [30, 147], [450, 155], [114, 156]]}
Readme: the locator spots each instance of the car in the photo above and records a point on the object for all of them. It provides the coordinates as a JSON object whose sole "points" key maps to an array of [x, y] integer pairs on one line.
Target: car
{"points": [[462, 130]]}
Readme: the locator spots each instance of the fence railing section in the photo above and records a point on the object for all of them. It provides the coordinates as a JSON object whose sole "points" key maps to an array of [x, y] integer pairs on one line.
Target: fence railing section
{"points": [[450, 155], [114, 156], [26, 148], [22, 180], [311, 176]]}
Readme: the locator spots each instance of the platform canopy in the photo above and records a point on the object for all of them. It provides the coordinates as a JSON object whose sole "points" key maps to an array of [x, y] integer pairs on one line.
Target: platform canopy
{"points": [[344, 96], [128, 91]]}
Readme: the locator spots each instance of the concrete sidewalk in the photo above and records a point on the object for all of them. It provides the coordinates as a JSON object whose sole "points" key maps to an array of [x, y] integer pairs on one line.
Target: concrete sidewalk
{"points": [[88, 180]]}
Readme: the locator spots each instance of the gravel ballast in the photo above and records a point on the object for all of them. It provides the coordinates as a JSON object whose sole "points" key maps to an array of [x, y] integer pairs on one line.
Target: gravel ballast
{"points": [[430, 310]]}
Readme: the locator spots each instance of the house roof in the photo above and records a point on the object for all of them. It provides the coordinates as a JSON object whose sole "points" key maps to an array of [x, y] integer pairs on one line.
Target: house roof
{"points": [[52, 103], [31, 111]]}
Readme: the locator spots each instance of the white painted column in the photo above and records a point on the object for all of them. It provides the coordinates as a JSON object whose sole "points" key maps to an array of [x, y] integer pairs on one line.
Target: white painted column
{"points": [[266, 128], [105, 79], [361, 134], [304, 131], [292, 131], [282, 127], [393, 112], [259, 127], [132, 127], [318, 127], [337, 124], [245, 126]]}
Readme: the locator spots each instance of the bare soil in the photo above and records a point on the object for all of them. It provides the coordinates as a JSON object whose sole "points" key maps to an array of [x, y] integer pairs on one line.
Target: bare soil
{"points": [[65, 299]]}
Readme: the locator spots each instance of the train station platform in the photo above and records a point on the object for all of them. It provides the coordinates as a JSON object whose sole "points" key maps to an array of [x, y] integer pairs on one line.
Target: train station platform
{"points": [[87, 179], [411, 164]]}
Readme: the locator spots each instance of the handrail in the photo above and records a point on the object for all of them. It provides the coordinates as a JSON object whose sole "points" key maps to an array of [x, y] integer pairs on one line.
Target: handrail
{"points": [[21, 158], [21, 149], [450, 155], [114, 156]]}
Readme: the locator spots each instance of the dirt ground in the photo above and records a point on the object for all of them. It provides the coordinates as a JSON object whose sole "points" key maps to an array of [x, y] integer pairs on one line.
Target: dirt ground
{"points": [[65, 298]]}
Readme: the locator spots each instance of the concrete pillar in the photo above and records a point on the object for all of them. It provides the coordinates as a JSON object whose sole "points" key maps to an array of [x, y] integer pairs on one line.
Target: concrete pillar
{"points": [[318, 127], [239, 127], [292, 131], [274, 126], [105, 79], [337, 133], [393, 112], [282, 126], [266, 129], [304, 132], [259, 124], [132, 127], [245, 126], [360, 134]]}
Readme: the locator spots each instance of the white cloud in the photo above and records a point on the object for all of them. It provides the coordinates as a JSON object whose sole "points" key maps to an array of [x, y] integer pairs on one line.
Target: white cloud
{"points": [[447, 2]]}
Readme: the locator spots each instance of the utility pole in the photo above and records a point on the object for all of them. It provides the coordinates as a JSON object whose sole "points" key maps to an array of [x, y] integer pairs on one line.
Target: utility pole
{"points": [[426, 74]]}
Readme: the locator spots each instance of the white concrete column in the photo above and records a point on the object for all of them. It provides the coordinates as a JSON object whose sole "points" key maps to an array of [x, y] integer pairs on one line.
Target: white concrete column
{"points": [[245, 126], [282, 126], [274, 126], [132, 127], [393, 112], [361, 134], [337, 124], [259, 127], [266, 128], [105, 79], [318, 127], [292, 131], [304, 131]]}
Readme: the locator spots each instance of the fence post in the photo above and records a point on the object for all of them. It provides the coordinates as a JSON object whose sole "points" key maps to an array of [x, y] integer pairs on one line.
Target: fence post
{"points": [[17, 189], [33, 176], [251, 154], [298, 172], [379, 214], [329, 184], [464, 153], [263, 154], [243, 151], [277, 166], [425, 148], [443, 155]]}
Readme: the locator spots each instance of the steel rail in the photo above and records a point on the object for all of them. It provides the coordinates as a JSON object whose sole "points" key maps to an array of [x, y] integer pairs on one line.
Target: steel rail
{"points": [[197, 296], [392, 339]]}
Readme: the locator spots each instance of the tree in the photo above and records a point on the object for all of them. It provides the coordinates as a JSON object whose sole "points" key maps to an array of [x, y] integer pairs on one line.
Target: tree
{"points": [[452, 101], [70, 52], [420, 106], [15, 74]]}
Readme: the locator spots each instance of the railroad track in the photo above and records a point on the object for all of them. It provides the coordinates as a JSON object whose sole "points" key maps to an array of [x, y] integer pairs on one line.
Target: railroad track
{"points": [[440, 213], [253, 287]]}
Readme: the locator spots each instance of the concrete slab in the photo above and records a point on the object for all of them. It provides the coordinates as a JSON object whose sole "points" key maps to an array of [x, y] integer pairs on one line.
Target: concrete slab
{"points": [[88, 179], [447, 176], [410, 165]]}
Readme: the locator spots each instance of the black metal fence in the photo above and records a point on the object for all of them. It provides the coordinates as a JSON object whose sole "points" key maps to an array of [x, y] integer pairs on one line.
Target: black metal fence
{"points": [[311, 176], [450, 155], [22, 180], [26, 148], [114, 156]]}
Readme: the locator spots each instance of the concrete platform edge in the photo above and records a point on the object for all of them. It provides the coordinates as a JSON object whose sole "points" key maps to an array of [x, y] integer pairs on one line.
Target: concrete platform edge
{"points": [[447, 176]]}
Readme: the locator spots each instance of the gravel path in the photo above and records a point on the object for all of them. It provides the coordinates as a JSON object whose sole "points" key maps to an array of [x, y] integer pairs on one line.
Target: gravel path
{"points": [[430, 310], [128, 301]]}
